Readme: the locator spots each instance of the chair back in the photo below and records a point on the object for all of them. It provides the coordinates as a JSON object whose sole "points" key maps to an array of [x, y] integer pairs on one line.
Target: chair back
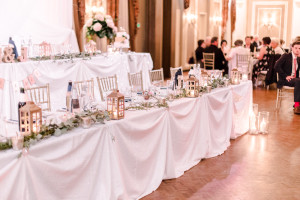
{"points": [[242, 59], [157, 76], [40, 96], [136, 80], [209, 60], [87, 83], [106, 84], [173, 71]]}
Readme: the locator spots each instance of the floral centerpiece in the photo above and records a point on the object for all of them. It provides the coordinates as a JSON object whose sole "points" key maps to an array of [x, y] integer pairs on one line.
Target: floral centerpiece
{"points": [[102, 26]]}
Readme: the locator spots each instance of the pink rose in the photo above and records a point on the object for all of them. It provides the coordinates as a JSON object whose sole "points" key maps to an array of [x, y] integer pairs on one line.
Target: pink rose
{"points": [[99, 17], [97, 27], [89, 22], [110, 24]]}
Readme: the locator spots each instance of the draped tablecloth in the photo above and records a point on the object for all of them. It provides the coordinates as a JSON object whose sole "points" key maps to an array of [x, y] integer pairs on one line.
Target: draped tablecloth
{"points": [[125, 159], [58, 73]]}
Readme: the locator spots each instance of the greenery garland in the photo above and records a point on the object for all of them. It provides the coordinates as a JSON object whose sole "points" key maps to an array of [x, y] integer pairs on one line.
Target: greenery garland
{"points": [[50, 130]]}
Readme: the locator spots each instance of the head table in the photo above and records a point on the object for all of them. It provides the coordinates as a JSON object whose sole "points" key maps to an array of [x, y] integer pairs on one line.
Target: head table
{"points": [[58, 73], [128, 158]]}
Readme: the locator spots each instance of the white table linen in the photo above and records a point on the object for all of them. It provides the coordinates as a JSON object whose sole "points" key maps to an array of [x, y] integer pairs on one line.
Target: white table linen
{"points": [[125, 159], [58, 73]]}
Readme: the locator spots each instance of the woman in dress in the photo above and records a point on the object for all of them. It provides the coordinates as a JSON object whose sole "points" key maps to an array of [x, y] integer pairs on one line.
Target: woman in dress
{"points": [[263, 58], [225, 49]]}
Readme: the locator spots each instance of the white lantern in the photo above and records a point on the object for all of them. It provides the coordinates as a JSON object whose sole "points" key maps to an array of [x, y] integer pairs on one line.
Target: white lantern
{"points": [[235, 77]]}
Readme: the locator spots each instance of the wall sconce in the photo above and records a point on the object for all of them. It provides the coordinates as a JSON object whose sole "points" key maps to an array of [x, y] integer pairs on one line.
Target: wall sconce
{"points": [[269, 22], [217, 20], [191, 18]]}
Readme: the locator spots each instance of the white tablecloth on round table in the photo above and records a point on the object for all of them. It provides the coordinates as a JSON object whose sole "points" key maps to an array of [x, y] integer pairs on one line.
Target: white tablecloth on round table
{"points": [[58, 73], [127, 159]]}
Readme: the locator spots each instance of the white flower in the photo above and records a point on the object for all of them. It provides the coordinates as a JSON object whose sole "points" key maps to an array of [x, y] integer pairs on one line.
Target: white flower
{"points": [[111, 25], [115, 29], [108, 17], [89, 22], [100, 17], [97, 27]]}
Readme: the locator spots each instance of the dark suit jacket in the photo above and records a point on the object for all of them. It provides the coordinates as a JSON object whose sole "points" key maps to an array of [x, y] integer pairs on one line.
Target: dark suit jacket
{"points": [[220, 61], [199, 53], [284, 68], [252, 46]]}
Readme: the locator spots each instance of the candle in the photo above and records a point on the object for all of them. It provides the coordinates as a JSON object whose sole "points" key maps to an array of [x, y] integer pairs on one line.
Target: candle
{"points": [[34, 128], [263, 126], [115, 114], [192, 93], [245, 77]]}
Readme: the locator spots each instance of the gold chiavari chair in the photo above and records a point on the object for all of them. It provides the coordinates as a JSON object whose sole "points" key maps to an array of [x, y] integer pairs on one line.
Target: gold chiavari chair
{"points": [[173, 71], [136, 80], [106, 84], [40, 96], [209, 60], [157, 76], [80, 84]]}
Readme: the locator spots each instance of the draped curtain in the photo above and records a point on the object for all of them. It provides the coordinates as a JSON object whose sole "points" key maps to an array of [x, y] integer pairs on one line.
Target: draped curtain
{"points": [[233, 16], [224, 17], [113, 10], [133, 6], [79, 20]]}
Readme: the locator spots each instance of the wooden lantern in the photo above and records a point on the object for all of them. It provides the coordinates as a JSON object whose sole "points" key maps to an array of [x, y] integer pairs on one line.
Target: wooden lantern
{"points": [[116, 105], [235, 77], [192, 87], [30, 118]]}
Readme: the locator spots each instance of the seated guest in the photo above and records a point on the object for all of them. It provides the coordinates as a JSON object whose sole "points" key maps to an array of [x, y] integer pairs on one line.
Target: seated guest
{"points": [[225, 49], [199, 52], [288, 70], [275, 46], [263, 58], [248, 44], [220, 61], [238, 49], [256, 43]]}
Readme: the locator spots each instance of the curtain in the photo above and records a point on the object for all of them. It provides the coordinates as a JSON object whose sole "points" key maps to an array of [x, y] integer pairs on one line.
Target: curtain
{"points": [[113, 10], [233, 16], [224, 17], [78, 14], [133, 6]]}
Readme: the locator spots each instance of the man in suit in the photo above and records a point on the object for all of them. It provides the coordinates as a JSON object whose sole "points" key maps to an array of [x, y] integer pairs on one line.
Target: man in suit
{"points": [[220, 61], [248, 44], [288, 70]]}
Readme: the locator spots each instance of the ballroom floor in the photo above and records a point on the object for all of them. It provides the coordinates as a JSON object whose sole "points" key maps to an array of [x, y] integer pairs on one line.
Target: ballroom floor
{"points": [[255, 167]]}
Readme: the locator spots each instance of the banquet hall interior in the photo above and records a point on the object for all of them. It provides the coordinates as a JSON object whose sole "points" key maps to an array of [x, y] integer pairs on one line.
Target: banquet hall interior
{"points": [[150, 99]]}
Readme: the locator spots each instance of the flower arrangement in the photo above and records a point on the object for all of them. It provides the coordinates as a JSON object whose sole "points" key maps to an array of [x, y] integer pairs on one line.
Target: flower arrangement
{"points": [[102, 26]]}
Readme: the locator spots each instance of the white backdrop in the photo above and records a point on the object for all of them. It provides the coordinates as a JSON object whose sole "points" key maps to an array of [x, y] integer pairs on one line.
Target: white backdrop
{"points": [[43, 20]]}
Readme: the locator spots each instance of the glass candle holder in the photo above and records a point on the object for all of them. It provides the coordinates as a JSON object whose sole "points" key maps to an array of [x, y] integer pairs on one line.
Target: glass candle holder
{"points": [[86, 122], [17, 142], [263, 121], [253, 120], [208, 88]]}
